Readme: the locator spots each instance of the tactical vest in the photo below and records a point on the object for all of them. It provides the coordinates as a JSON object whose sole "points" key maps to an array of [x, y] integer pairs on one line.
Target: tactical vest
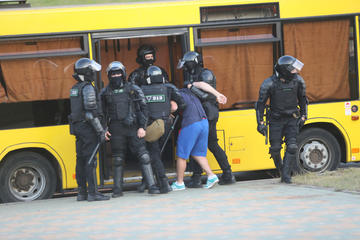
{"points": [[158, 100], [77, 103], [284, 99], [117, 103]]}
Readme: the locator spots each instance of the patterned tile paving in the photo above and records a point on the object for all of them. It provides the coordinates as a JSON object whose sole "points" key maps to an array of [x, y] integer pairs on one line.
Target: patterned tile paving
{"points": [[262, 209]]}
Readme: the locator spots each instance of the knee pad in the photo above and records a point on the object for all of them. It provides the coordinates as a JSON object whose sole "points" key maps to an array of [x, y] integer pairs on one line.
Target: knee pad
{"points": [[291, 148], [118, 161], [144, 158], [275, 149]]}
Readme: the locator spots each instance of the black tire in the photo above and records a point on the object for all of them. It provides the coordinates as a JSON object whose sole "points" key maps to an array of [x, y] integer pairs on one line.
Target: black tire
{"points": [[26, 176], [319, 151]]}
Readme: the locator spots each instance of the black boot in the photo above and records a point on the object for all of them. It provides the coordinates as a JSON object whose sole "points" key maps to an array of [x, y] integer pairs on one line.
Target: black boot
{"points": [[149, 177], [93, 193], [82, 194], [141, 188], [195, 181], [278, 163], [164, 185], [118, 178], [227, 178], [97, 196], [286, 168]]}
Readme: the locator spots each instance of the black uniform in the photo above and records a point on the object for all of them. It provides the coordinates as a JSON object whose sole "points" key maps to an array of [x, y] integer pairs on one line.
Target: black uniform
{"points": [[85, 125], [284, 117], [126, 112], [158, 96], [138, 76]]}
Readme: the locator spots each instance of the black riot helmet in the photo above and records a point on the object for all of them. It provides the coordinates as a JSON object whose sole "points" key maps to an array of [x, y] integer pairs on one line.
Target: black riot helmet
{"points": [[190, 61], [144, 50], [285, 67], [85, 68], [116, 73], [154, 75]]}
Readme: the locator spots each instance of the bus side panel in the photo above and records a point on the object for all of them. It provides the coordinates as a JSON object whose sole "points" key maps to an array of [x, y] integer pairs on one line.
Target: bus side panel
{"points": [[341, 116], [55, 140], [244, 146]]}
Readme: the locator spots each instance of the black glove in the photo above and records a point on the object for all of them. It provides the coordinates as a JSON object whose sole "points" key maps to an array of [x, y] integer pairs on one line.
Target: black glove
{"points": [[261, 128], [186, 83], [300, 123], [101, 136]]}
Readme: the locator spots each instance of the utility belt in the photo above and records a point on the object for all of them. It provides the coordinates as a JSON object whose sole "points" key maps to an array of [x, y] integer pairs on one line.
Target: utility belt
{"points": [[128, 121], [286, 114], [72, 122]]}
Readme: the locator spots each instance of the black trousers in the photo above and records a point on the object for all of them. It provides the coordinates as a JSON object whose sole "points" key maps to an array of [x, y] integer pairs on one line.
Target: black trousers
{"points": [[215, 149], [123, 136], [279, 129], [154, 149], [86, 141]]}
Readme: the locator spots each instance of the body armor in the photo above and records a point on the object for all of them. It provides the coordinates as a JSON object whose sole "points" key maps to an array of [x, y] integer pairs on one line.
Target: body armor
{"points": [[158, 100], [82, 101], [284, 99], [117, 102]]}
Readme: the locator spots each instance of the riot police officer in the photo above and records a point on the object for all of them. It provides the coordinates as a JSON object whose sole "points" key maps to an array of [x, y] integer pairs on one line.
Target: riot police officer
{"points": [[158, 95], [146, 56], [195, 72], [126, 114], [85, 125], [286, 90]]}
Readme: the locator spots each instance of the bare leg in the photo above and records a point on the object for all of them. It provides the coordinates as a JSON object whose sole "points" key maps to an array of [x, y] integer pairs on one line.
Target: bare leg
{"points": [[180, 170], [203, 162]]}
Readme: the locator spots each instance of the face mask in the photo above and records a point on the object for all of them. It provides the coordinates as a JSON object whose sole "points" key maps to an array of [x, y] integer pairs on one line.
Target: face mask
{"points": [[116, 82], [148, 62]]}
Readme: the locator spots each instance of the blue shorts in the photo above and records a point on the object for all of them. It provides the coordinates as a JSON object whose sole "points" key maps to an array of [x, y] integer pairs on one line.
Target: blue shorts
{"points": [[193, 140]]}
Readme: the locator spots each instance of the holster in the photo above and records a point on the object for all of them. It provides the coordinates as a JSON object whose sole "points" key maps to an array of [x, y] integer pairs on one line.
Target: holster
{"points": [[71, 125]]}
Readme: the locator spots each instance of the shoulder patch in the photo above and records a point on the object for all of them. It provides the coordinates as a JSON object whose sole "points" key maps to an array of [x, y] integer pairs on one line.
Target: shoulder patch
{"points": [[116, 91], [74, 92]]}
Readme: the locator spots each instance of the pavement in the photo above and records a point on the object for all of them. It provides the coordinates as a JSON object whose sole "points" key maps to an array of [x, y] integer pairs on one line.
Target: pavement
{"points": [[258, 209]]}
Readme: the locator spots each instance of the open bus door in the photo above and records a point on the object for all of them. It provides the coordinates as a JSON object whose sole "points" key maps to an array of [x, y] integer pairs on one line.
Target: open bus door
{"points": [[170, 44]]}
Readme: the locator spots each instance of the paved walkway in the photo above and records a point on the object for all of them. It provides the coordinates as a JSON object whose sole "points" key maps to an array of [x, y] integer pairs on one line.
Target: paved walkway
{"points": [[261, 209]]}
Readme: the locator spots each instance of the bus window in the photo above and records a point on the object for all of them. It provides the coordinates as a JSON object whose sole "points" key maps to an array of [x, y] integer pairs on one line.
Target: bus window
{"points": [[38, 78], [241, 58], [35, 78], [311, 42], [40, 46]]}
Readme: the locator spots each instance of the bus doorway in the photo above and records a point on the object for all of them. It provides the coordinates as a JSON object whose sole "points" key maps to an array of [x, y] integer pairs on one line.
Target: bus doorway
{"points": [[169, 49]]}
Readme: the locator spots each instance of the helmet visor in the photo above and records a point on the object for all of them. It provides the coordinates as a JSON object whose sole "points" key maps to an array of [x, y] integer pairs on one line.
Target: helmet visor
{"points": [[298, 65], [181, 64], [95, 66]]}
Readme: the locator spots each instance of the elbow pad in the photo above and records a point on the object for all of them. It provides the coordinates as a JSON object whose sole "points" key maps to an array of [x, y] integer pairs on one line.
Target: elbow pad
{"points": [[95, 122], [199, 93], [89, 97]]}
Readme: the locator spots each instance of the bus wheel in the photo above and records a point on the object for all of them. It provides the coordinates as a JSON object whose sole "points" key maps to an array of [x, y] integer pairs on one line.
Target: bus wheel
{"points": [[26, 176], [318, 151]]}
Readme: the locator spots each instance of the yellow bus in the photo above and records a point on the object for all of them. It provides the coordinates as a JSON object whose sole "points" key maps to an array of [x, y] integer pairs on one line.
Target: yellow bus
{"points": [[240, 41]]}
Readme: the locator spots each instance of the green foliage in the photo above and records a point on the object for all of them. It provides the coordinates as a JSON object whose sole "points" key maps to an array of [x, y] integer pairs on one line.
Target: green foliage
{"points": [[46, 3]]}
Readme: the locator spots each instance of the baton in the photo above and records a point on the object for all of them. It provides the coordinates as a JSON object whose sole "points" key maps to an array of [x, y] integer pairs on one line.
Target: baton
{"points": [[96, 149], [94, 152], [169, 134]]}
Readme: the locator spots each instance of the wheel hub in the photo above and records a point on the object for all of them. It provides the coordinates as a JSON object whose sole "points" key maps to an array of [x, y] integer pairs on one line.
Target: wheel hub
{"points": [[23, 180], [315, 155], [26, 183]]}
